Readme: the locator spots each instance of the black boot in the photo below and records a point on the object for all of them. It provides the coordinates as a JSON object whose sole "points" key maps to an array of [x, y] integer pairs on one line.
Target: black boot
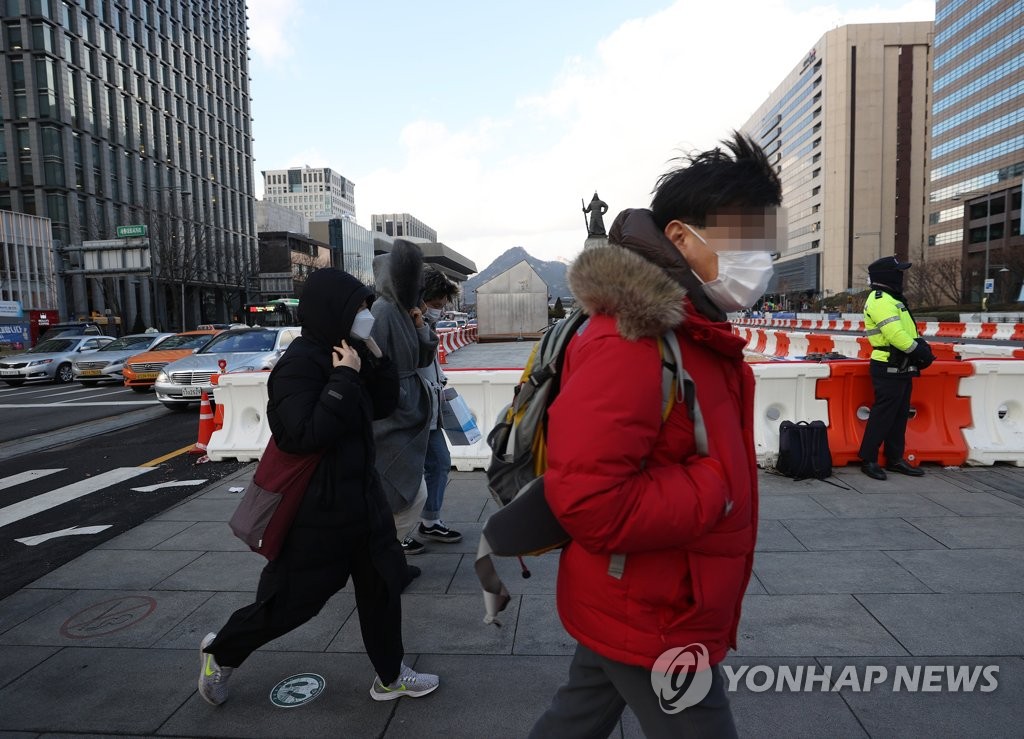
{"points": [[873, 470], [904, 468]]}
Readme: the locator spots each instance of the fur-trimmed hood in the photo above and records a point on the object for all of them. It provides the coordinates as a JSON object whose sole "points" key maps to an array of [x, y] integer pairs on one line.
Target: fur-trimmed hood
{"points": [[615, 281]]}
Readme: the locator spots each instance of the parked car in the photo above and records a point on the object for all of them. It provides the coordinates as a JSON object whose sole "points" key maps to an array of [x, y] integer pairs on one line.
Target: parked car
{"points": [[445, 324], [107, 362], [182, 382], [50, 360], [72, 328], [140, 371]]}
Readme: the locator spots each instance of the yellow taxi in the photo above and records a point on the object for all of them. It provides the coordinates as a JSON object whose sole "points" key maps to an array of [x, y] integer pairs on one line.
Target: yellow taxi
{"points": [[141, 370]]}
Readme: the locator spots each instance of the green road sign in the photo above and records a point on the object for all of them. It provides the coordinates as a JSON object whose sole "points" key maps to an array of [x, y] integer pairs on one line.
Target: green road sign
{"points": [[127, 232]]}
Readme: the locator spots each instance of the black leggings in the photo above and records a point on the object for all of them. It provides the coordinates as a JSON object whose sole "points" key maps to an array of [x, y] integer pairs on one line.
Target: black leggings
{"points": [[294, 587]]}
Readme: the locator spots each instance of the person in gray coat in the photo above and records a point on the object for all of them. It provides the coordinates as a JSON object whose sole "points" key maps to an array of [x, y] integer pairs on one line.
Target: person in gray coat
{"points": [[402, 334]]}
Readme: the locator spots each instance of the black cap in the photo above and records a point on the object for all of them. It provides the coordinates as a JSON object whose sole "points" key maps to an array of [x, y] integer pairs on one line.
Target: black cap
{"points": [[887, 264]]}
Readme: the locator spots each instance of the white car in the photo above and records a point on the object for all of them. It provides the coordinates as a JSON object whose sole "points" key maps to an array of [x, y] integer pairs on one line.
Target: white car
{"points": [[50, 360], [108, 361]]}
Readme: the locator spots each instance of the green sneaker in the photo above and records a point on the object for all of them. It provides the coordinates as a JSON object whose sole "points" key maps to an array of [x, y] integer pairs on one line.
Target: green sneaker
{"points": [[409, 683], [213, 679]]}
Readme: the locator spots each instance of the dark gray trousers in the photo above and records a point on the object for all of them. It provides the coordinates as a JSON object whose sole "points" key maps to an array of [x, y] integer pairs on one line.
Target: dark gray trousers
{"points": [[590, 704]]}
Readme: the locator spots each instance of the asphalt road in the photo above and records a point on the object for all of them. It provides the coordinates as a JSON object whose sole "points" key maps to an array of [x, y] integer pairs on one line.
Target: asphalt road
{"points": [[87, 482]]}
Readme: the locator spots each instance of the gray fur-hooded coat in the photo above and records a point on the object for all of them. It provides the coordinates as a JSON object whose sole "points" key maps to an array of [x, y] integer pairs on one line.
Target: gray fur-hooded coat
{"points": [[401, 438]]}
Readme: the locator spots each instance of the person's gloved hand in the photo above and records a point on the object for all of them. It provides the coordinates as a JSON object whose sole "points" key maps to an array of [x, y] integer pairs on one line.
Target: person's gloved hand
{"points": [[922, 355]]}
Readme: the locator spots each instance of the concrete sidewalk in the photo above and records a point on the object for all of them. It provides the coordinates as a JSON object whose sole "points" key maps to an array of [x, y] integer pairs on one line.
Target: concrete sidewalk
{"points": [[905, 573]]}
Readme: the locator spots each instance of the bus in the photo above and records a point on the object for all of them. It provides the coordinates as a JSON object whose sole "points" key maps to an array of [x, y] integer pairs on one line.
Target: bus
{"points": [[458, 316], [280, 312]]}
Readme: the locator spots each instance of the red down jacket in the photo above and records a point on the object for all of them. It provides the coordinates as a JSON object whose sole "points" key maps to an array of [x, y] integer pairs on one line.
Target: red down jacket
{"points": [[622, 482]]}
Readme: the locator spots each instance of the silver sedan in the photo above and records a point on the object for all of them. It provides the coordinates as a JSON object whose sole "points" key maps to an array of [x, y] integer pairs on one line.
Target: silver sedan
{"points": [[107, 363], [50, 360]]}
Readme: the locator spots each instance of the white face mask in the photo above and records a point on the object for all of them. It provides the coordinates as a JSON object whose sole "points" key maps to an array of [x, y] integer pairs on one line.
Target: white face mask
{"points": [[743, 276], [432, 314], [362, 325]]}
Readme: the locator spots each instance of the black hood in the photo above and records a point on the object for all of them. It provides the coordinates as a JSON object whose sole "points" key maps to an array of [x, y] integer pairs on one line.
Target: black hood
{"points": [[329, 303]]}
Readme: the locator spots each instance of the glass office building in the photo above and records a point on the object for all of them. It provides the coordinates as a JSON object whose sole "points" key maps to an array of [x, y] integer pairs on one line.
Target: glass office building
{"points": [[977, 143], [133, 112]]}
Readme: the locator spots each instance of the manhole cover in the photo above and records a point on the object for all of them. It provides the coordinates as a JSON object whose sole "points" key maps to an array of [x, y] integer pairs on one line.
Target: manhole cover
{"points": [[297, 690]]}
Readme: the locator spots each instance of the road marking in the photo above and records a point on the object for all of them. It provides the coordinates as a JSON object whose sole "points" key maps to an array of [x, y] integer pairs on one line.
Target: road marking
{"points": [[75, 490], [158, 460], [171, 484], [12, 480], [31, 541], [98, 394], [79, 405]]}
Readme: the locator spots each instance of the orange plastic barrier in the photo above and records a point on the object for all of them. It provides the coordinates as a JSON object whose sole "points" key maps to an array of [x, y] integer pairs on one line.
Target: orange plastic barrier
{"points": [[938, 413], [865, 348], [762, 339], [953, 330], [942, 350], [1018, 353], [781, 344], [820, 344]]}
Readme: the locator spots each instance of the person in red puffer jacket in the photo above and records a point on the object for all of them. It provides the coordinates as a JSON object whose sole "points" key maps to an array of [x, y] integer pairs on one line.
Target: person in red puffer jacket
{"points": [[662, 514]]}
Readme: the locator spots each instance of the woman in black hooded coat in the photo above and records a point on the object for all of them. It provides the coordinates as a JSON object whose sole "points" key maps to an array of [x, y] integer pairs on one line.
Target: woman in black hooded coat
{"points": [[325, 393]]}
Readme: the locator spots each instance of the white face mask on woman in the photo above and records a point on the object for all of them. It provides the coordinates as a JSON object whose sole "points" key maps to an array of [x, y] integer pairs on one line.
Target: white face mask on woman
{"points": [[433, 315], [743, 276], [362, 324]]}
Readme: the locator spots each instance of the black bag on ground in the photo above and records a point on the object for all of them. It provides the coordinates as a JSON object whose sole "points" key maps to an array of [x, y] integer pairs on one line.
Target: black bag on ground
{"points": [[803, 450]]}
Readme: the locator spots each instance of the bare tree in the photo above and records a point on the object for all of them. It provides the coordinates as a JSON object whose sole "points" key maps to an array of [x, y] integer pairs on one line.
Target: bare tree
{"points": [[178, 245], [304, 263], [934, 283]]}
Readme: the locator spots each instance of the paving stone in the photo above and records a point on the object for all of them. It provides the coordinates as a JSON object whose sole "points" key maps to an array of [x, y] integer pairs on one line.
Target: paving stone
{"points": [[966, 570], [883, 711], [543, 575], [437, 571], [204, 536], [141, 690], [754, 587], [463, 501], [201, 509], [26, 603], [770, 484], [773, 536], [794, 573], [443, 624], [105, 569], [791, 506], [103, 618], [15, 661], [895, 505], [216, 571], [969, 532], [951, 623], [858, 533], [810, 625], [539, 629], [976, 504], [146, 535], [343, 709]]}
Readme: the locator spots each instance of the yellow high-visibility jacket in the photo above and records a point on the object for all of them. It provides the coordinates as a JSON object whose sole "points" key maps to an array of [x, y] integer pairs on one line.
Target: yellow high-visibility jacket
{"points": [[887, 324]]}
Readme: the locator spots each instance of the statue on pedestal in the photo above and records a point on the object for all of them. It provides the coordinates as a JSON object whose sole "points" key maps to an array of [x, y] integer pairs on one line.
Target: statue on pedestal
{"points": [[596, 209]]}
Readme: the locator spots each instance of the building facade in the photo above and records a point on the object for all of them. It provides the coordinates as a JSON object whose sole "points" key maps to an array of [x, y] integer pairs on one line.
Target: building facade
{"points": [[401, 225], [287, 260], [977, 144], [319, 193], [847, 133], [351, 246], [117, 114], [26, 261], [274, 217]]}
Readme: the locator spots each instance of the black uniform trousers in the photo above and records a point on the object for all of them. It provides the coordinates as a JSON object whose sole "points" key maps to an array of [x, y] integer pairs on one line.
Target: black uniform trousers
{"points": [[887, 423], [294, 587]]}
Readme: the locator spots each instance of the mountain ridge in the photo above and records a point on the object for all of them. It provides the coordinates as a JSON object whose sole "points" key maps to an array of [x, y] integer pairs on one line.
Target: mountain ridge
{"points": [[553, 273]]}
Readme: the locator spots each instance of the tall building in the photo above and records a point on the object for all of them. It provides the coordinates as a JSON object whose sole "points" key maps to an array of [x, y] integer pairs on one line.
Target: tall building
{"points": [[274, 217], [401, 225], [847, 132], [133, 114], [26, 261], [977, 143], [319, 193], [352, 246]]}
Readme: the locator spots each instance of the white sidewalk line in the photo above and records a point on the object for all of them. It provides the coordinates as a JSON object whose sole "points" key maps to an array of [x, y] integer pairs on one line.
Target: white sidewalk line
{"points": [[54, 498], [11, 480]]}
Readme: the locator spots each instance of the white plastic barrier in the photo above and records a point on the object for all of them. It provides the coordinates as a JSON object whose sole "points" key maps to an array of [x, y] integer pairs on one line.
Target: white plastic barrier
{"points": [[486, 392], [798, 344], [997, 412], [246, 432], [983, 351], [846, 345], [785, 391]]}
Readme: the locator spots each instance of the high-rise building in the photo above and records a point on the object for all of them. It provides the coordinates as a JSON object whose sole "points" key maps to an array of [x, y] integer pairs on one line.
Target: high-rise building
{"points": [[402, 225], [133, 114], [846, 131], [319, 193], [977, 143]]}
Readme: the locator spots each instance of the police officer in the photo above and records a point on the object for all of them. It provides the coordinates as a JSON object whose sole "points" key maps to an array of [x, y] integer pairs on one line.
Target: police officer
{"points": [[898, 355]]}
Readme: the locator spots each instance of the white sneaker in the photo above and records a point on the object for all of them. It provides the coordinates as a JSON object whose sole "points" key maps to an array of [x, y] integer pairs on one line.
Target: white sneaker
{"points": [[409, 683], [213, 679]]}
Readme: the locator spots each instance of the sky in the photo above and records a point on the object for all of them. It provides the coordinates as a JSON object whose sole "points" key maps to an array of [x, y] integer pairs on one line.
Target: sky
{"points": [[490, 122]]}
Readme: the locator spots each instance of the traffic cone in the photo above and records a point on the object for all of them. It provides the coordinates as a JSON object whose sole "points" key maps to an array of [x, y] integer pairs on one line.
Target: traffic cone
{"points": [[206, 423], [442, 356], [218, 417]]}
